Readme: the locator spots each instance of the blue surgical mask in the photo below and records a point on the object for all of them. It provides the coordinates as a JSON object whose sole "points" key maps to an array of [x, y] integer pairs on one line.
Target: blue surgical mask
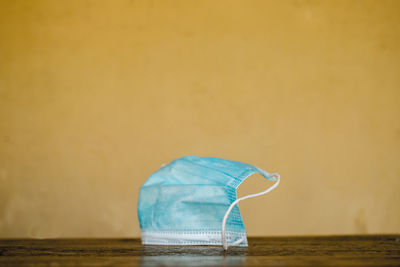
{"points": [[193, 201]]}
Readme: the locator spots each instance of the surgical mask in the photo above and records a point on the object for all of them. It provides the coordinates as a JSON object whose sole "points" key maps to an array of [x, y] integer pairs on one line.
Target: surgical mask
{"points": [[193, 201]]}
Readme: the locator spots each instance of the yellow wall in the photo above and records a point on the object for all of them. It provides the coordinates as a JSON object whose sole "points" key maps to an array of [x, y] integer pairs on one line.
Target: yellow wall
{"points": [[96, 95]]}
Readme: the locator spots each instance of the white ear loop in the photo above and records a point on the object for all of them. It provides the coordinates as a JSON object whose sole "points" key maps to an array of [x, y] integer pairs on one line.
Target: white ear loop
{"points": [[224, 244]]}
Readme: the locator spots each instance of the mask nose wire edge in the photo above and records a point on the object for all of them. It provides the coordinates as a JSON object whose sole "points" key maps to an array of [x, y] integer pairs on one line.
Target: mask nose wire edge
{"points": [[277, 180]]}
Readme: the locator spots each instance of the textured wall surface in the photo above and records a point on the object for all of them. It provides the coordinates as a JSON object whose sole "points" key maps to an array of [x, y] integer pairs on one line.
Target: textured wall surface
{"points": [[96, 95]]}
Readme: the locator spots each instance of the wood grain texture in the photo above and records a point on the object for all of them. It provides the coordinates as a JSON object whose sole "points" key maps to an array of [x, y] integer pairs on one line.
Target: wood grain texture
{"points": [[366, 250]]}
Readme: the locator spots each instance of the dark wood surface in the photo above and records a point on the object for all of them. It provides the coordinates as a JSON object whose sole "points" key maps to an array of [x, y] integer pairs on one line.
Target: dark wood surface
{"points": [[370, 250]]}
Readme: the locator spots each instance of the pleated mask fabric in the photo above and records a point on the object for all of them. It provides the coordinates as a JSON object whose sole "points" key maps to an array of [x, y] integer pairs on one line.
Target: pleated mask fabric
{"points": [[192, 201]]}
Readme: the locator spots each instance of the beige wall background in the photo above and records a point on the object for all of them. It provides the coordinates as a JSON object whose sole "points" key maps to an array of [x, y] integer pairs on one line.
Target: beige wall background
{"points": [[96, 95]]}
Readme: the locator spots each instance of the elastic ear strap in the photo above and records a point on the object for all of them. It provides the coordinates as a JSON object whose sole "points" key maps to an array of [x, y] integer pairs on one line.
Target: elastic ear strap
{"points": [[276, 178]]}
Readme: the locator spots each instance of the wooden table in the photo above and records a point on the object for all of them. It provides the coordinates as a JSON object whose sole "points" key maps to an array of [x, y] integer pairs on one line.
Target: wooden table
{"points": [[369, 250]]}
